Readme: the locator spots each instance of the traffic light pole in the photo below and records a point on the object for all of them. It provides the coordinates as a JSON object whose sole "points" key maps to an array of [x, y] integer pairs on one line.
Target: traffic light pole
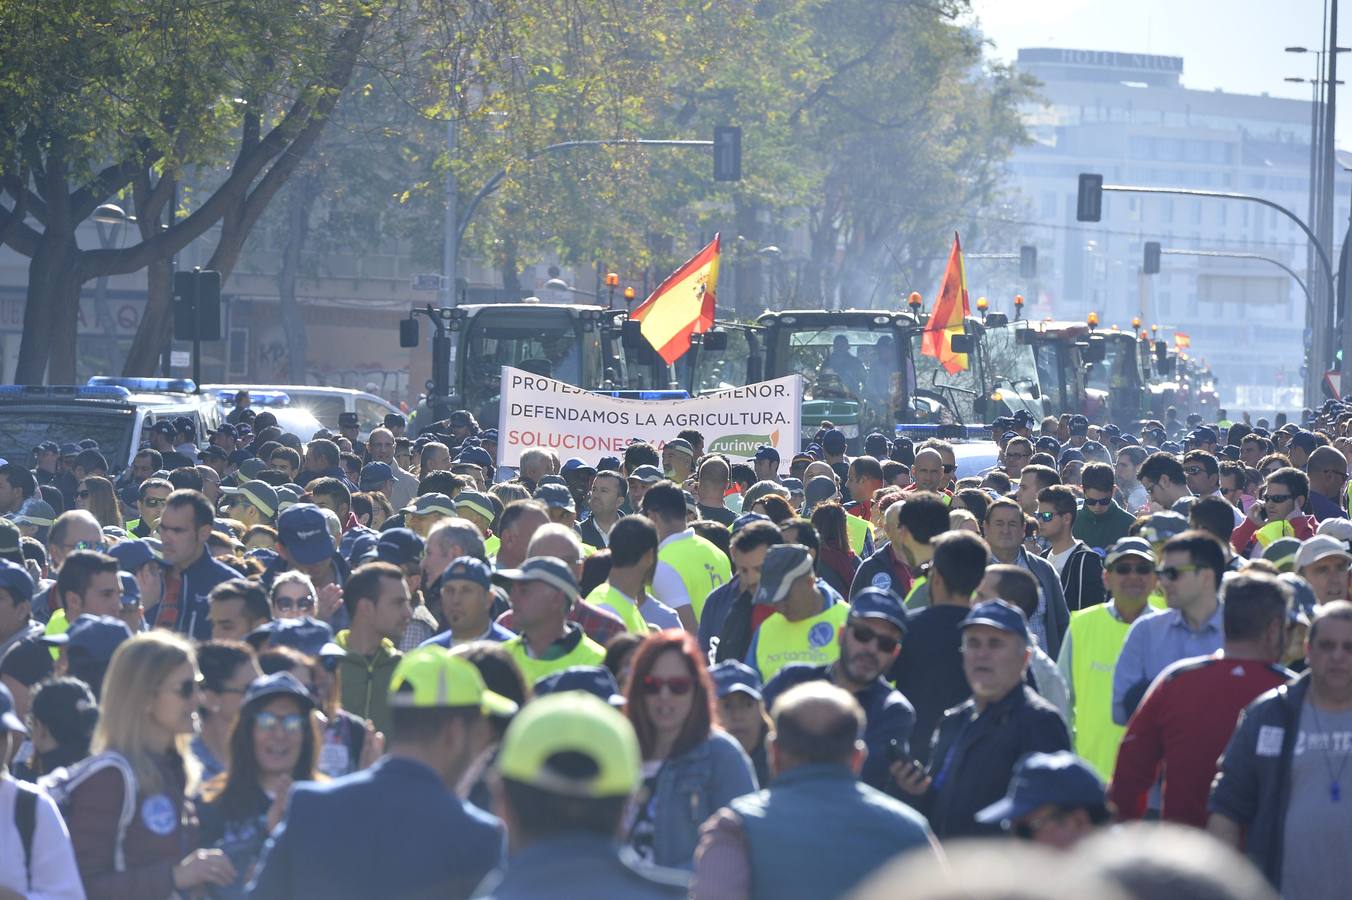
{"points": [[1224, 254]]}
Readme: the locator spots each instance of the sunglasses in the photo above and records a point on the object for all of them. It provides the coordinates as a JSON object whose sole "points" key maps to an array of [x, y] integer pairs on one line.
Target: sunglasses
{"points": [[1277, 498], [1142, 569], [290, 723], [865, 635], [1193, 470], [1046, 516], [286, 604], [152, 502], [678, 686], [188, 687], [87, 545], [1172, 573], [1102, 501]]}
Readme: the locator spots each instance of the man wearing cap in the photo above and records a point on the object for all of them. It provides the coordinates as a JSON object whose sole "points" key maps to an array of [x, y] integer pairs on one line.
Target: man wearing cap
{"points": [[578, 475], [806, 622], [1189, 713], [304, 544], [607, 496], [678, 460], [427, 510], [766, 463], [978, 743], [477, 509], [89, 645], [1191, 567], [757, 846], [349, 426], [379, 605], [569, 763], [870, 642], [688, 566], [1093, 644], [397, 829], [640, 479], [1324, 561], [1280, 513], [558, 501], [254, 503], [16, 597], [1054, 799], [541, 593], [1079, 431], [377, 477], [464, 591]]}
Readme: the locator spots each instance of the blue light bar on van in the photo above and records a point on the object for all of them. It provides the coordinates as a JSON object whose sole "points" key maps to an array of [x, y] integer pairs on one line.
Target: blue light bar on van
{"points": [[63, 392], [647, 395], [257, 398], [170, 385], [943, 432]]}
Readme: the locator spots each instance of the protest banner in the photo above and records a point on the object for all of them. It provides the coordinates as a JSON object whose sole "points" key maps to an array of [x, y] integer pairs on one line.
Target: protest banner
{"points": [[541, 412]]}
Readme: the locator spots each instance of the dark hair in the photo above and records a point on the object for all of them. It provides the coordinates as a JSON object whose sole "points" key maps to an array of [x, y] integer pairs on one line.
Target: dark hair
{"points": [[1161, 465], [155, 457], [975, 500], [664, 500], [79, 569], [757, 534], [202, 513], [256, 605], [1203, 549], [332, 488], [616, 477], [274, 477], [361, 505], [67, 709], [515, 510], [715, 533], [286, 453], [776, 507], [1293, 479], [703, 712], [236, 790], [618, 650], [866, 467], [1015, 585], [595, 571], [151, 483], [1046, 476], [21, 478], [439, 482], [1098, 476], [631, 537], [365, 584], [219, 660], [1206, 460], [742, 474], [1230, 469], [186, 478], [500, 672], [640, 454], [960, 558], [924, 516], [807, 532], [325, 451], [829, 520], [418, 725], [1214, 516], [351, 463], [538, 813], [1001, 503], [1061, 498], [1251, 602]]}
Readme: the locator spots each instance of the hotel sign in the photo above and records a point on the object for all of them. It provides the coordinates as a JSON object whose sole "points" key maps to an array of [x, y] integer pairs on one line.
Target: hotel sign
{"points": [[1103, 59]]}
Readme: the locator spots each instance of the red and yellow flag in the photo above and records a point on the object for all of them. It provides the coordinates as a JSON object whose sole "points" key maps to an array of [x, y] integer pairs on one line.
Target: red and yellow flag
{"points": [[682, 305], [946, 318], [1182, 341]]}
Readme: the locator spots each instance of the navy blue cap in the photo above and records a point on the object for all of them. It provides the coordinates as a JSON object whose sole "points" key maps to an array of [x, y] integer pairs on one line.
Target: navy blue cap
{"points": [[1111, 430], [1058, 779], [1079, 425], [646, 475], [8, 720], [91, 444], [608, 464], [1070, 455], [133, 554], [834, 438], [1094, 448], [27, 661], [400, 546], [1049, 444], [746, 519], [1171, 447], [91, 639], [395, 420], [278, 684], [1023, 417], [732, 676], [555, 496], [877, 445], [574, 464], [475, 456], [131, 591], [164, 427], [765, 451], [15, 579], [489, 434], [595, 680], [466, 568], [794, 485], [460, 417], [348, 419], [998, 614], [304, 634], [1127, 439], [48, 447], [1008, 436], [876, 603], [238, 457], [303, 531], [226, 428], [358, 546], [1305, 440], [374, 474], [70, 448]]}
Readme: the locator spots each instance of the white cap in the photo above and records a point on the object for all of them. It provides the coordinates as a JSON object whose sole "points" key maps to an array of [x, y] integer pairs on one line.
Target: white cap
{"points": [[1319, 547]]}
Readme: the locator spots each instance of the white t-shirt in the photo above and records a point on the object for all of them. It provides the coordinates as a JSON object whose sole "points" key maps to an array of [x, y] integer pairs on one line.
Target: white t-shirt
{"points": [[55, 874], [1059, 559]]}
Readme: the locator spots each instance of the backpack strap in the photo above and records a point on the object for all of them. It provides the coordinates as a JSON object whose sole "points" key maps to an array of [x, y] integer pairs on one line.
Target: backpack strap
{"points": [[26, 821], [63, 782]]}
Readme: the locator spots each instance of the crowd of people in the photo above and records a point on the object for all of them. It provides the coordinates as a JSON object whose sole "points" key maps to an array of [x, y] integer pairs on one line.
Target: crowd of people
{"points": [[260, 667]]}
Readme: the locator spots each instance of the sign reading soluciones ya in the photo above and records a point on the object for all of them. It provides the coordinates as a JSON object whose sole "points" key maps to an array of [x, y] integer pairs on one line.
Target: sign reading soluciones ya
{"points": [[541, 412]]}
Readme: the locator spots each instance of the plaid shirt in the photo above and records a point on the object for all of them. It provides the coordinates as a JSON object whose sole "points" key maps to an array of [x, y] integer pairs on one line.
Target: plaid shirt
{"points": [[598, 624], [422, 626]]}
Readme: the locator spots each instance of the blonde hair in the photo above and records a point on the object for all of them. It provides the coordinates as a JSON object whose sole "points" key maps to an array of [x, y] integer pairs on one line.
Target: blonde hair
{"points": [[135, 677]]}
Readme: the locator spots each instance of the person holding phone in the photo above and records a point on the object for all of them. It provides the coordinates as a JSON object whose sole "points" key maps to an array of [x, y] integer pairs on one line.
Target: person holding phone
{"points": [[1279, 512]]}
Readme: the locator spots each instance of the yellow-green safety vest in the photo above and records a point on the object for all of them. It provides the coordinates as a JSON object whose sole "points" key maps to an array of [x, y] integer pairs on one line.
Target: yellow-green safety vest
{"points": [[701, 565], [1273, 531], [606, 596], [814, 640], [491, 545], [586, 653], [912, 596], [858, 532], [57, 624]]}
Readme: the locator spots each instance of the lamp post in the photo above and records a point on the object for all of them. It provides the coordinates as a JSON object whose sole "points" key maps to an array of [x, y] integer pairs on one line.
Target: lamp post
{"points": [[108, 221]]}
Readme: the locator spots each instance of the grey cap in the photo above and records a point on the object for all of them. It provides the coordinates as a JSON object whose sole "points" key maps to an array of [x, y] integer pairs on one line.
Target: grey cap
{"points": [[784, 564], [819, 490]]}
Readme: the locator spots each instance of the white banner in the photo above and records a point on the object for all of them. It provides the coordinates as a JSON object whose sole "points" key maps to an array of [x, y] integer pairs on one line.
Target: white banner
{"points": [[541, 412]]}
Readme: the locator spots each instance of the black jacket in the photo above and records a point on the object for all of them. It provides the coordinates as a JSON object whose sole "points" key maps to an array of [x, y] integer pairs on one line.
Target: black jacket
{"points": [[1081, 577], [974, 756]]}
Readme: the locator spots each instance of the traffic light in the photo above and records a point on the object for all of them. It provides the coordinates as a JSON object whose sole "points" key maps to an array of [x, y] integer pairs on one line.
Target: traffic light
{"points": [[1151, 263], [727, 153], [1089, 203], [197, 305], [1027, 262]]}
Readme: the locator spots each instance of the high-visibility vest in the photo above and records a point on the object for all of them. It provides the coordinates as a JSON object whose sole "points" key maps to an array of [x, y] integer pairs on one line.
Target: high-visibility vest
{"points": [[814, 640], [57, 624], [701, 565], [858, 533], [586, 653], [491, 545], [607, 597], [915, 598], [1273, 531]]}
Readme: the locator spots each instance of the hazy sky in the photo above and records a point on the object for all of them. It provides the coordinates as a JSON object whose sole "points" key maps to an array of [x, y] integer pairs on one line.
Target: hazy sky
{"points": [[1236, 45]]}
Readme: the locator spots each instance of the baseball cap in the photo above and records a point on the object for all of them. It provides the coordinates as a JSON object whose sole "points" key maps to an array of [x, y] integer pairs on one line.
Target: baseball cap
{"points": [[746, 519], [1129, 546], [475, 456], [432, 678], [1049, 444], [475, 502], [428, 504], [8, 719], [400, 546], [577, 464], [163, 426], [358, 546], [183, 423], [15, 579], [1069, 455], [348, 420], [1058, 779], [131, 591], [211, 451], [303, 531], [556, 729], [305, 634], [279, 684], [1079, 425], [1094, 451], [555, 496], [28, 661], [1163, 525], [374, 474], [38, 513], [11, 546], [1302, 594], [488, 436], [1305, 440], [608, 464], [646, 475], [1282, 553], [794, 485], [680, 445], [876, 603], [595, 680], [466, 568], [834, 441], [765, 451], [819, 489], [70, 448], [784, 564], [1321, 546], [998, 614], [732, 676], [1171, 447], [91, 639], [553, 572], [460, 417], [1338, 528], [877, 445], [259, 493], [394, 420], [1023, 417], [1111, 430], [48, 447]]}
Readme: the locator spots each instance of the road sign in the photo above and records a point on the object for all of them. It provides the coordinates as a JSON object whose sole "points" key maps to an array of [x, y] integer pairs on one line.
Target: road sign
{"points": [[1151, 261], [180, 359], [1089, 201], [429, 283]]}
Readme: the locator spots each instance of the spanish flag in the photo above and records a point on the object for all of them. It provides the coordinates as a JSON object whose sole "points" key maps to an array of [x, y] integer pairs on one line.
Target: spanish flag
{"points": [[682, 305], [946, 319], [1182, 341]]}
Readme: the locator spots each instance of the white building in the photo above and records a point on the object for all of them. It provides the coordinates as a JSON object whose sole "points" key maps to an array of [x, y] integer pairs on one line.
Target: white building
{"points": [[1128, 117]]}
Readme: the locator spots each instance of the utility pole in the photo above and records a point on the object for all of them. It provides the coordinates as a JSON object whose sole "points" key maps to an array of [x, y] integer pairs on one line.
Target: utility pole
{"points": [[450, 237]]}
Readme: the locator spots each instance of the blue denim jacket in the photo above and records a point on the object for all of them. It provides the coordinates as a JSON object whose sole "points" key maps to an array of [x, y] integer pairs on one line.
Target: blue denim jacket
{"points": [[691, 788]]}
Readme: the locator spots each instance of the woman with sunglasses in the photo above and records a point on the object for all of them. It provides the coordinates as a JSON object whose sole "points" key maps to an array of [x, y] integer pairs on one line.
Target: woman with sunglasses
{"points": [[227, 668], [96, 495], [293, 596], [347, 743], [274, 744], [691, 768], [149, 710]]}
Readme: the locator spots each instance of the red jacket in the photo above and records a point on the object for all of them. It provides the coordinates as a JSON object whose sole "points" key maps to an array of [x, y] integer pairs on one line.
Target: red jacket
{"points": [[1303, 526]]}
